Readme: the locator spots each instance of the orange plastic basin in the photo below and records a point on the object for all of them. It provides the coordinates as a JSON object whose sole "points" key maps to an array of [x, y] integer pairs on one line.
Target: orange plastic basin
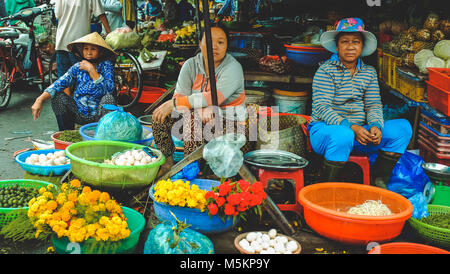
{"points": [[325, 206], [406, 248]]}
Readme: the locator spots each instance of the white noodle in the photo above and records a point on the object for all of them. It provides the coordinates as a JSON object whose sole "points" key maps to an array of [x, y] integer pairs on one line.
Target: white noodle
{"points": [[370, 208]]}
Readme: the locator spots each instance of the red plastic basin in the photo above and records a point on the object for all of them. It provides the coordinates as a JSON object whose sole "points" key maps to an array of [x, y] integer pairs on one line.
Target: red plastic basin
{"points": [[325, 206], [406, 248], [149, 94]]}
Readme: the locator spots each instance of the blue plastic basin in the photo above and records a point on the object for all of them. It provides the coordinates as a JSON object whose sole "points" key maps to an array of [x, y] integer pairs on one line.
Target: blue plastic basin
{"points": [[41, 170], [199, 221], [93, 126], [307, 58]]}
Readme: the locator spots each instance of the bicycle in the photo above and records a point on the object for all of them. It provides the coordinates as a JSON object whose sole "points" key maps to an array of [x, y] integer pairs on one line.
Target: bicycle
{"points": [[20, 56], [128, 79]]}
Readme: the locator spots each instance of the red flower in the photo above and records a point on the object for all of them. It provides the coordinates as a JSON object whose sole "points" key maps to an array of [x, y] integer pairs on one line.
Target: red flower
{"points": [[210, 194], [224, 188], [213, 209], [220, 201], [229, 210], [255, 200], [257, 187], [241, 208], [234, 199], [244, 185], [245, 199]]}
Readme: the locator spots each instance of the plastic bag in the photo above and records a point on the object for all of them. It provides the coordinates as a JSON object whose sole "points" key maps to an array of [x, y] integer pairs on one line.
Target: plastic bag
{"points": [[408, 177], [161, 238], [223, 154], [123, 38], [189, 172], [118, 126], [420, 205]]}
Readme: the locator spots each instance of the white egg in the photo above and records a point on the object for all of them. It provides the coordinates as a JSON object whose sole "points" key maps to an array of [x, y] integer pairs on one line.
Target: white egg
{"points": [[291, 246], [270, 250], [34, 157], [287, 252], [250, 249], [272, 233], [42, 158], [265, 238], [272, 243], [279, 247], [120, 162], [263, 252], [123, 157], [244, 243], [259, 240], [258, 234], [143, 162], [283, 239], [255, 244], [49, 155], [148, 158], [138, 156], [251, 236], [265, 245], [28, 161], [127, 153]]}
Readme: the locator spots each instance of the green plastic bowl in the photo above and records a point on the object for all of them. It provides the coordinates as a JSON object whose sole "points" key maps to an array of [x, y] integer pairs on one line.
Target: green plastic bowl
{"points": [[136, 223], [7, 215], [436, 235], [87, 157]]}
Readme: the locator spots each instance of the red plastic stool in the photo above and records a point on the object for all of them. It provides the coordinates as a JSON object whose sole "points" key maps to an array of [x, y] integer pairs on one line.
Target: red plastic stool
{"points": [[363, 162], [297, 176]]}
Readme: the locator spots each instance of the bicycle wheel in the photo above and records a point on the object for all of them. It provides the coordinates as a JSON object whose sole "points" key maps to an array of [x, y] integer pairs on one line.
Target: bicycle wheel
{"points": [[52, 73], [128, 79], [5, 85]]}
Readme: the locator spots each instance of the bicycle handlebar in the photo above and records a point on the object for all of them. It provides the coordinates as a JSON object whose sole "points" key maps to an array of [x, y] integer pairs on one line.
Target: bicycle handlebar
{"points": [[29, 13]]}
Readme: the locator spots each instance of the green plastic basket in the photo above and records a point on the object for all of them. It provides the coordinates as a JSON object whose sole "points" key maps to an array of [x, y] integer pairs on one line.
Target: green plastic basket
{"points": [[136, 223], [87, 157], [7, 215], [429, 233]]}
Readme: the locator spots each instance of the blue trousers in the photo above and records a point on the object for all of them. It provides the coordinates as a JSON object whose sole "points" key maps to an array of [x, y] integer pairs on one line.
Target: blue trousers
{"points": [[336, 142]]}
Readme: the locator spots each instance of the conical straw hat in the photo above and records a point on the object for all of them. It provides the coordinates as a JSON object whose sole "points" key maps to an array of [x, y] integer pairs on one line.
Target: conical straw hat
{"points": [[93, 38]]}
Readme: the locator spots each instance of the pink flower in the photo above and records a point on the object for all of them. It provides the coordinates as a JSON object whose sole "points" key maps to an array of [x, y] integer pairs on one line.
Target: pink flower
{"points": [[360, 28], [352, 21]]}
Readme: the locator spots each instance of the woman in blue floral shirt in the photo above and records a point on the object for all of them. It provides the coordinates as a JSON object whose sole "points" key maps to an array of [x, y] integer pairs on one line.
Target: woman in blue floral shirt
{"points": [[93, 79]]}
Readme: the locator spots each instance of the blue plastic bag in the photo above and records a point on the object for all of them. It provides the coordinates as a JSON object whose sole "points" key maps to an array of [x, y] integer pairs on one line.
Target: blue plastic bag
{"points": [[420, 205], [408, 177], [118, 125], [189, 172], [161, 240]]}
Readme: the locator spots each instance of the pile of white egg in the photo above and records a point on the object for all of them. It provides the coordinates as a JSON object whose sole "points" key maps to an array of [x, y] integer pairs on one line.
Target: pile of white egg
{"points": [[135, 157], [57, 158], [268, 243]]}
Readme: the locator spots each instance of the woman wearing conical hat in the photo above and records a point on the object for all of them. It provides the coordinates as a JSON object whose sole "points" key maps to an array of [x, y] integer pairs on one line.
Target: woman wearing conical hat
{"points": [[93, 79]]}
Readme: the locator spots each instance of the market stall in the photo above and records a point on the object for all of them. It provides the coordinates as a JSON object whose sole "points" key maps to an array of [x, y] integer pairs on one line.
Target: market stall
{"points": [[107, 188]]}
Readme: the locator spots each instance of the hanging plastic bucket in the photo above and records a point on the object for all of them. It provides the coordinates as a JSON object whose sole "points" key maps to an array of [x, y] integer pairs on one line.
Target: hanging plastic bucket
{"points": [[290, 101]]}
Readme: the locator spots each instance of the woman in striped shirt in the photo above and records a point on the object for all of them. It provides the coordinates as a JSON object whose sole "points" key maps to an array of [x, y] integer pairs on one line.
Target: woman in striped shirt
{"points": [[347, 110]]}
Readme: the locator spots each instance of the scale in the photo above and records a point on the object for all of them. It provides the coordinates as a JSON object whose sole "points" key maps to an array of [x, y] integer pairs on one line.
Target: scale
{"points": [[437, 191], [275, 160]]}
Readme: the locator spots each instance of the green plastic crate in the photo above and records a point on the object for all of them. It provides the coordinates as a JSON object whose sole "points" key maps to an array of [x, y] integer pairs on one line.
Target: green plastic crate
{"points": [[7, 215], [433, 234]]}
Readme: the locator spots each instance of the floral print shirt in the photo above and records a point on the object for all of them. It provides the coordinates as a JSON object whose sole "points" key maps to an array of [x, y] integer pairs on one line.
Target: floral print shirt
{"points": [[88, 92]]}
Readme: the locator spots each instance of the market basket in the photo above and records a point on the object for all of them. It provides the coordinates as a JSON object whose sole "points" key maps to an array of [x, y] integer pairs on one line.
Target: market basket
{"points": [[410, 86], [136, 223], [87, 163], [7, 215], [436, 235]]}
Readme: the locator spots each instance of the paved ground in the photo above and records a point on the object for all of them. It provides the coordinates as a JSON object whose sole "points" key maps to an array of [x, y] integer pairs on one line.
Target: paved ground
{"points": [[17, 119]]}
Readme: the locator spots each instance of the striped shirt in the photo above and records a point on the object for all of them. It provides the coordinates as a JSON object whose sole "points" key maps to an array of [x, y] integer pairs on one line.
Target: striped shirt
{"points": [[342, 99]]}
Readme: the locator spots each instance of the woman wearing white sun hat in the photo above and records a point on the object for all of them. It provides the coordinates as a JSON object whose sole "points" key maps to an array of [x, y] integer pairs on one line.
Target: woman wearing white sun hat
{"points": [[347, 111]]}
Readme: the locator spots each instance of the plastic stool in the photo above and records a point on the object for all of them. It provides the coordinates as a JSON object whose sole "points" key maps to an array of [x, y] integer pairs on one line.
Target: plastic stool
{"points": [[363, 162], [297, 176]]}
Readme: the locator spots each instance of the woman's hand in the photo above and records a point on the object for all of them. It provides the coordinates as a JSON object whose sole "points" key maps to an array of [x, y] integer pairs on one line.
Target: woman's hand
{"points": [[87, 66], [207, 114], [164, 110], [362, 136], [36, 109], [376, 135]]}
